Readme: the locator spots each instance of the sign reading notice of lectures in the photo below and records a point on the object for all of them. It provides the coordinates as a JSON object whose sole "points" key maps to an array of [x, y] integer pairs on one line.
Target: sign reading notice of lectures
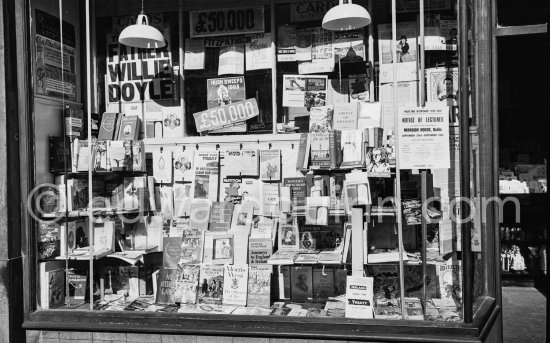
{"points": [[423, 137], [226, 116], [224, 22]]}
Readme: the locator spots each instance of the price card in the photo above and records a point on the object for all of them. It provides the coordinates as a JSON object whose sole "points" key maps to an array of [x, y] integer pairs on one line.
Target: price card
{"points": [[226, 116], [226, 22]]}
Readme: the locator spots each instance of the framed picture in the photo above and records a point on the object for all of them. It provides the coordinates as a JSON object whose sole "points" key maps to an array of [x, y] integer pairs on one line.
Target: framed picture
{"points": [[222, 249]]}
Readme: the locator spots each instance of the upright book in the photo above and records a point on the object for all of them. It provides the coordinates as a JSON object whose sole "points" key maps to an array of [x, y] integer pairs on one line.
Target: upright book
{"points": [[220, 220], [301, 288], [52, 284], [259, 285], [129, 128], [211, 284], [236, 284], [107, 130], [270, 165]]}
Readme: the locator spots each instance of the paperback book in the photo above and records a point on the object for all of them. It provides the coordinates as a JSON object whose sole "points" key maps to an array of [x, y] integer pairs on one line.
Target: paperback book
{"points": [[207, 175], [270, 165], [259, 285], [236, 279], [211, 284]]}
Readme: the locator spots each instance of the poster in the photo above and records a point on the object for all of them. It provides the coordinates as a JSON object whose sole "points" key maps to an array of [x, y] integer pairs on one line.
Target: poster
{"points": [[286, 43], [310, 11], [442, 88], [223, 22], [359, 88], [405, 48], [303, 44], [231, 60], [258, 52], [423, 137], [441, 33], [348, 46], [404, 6], [135, 75], [55, 71], [224, 91], [304, 91], [194, 54]]}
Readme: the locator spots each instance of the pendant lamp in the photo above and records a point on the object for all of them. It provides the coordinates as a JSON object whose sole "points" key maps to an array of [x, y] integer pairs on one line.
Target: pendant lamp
{"points": [[141, 34], [346, 16]]}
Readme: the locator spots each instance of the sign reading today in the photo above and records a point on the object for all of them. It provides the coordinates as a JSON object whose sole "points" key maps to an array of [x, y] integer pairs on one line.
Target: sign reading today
{"points": [[226, 22], [424, 137], [226, 116]]}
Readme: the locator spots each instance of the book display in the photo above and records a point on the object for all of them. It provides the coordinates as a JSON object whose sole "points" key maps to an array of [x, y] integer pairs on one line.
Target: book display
{"points": [[268, 175]]}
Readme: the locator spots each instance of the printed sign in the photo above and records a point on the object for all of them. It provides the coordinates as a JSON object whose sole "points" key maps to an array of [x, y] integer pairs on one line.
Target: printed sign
{"points": [[226, 116], [226, 22], [423, 137], [310, 11]]}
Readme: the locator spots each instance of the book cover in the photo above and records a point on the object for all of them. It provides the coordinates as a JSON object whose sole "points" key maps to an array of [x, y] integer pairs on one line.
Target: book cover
{"points": [[283, 257], [323, 283], [52, 284], [107, 129], [171, 252], [200, 215], [288, 238], [100, 161], [242, 218], [283, 282], [116, 155], [450, 281], [68, 237], [80, 194], [162, 166], [165, 200], [320, 119], [129, 129], [320, 150], [301, 287], [211, 284], [345, 116], [302, 159], [60, 154], [270, 165], [298, 192], [73, 121], [166, 284], [191, 246], [138, 156], [259, 285], [335, 150], [317, 185], [259, 250], [236, 284], [135, 193], [104, 237], [270, 199], [220, 220], [183, 199], [172, 122], [187, 282], [218, 248], [84, 156], [184, 167], [49, 241], [207, 175], [359, 297], [386, 284], [77, 285], [240, 243], [337, 206], [241, 163], [352, 149], [264, 227]]}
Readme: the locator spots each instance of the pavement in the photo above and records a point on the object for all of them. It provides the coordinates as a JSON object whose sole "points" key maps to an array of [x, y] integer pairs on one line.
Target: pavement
{"points": [[524, 315]]}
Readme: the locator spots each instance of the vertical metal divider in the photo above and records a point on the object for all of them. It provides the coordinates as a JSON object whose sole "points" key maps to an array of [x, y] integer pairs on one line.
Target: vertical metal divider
{"points": [[465, 226], [273, 67], [423, 183], [371, 55], [90, 177], [65, 164], [397, 187], [424, 236], [181, 76]]}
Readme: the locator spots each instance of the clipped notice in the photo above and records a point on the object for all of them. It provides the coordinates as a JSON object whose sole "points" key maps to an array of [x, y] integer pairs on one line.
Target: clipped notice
{"points": [[424, 137]]}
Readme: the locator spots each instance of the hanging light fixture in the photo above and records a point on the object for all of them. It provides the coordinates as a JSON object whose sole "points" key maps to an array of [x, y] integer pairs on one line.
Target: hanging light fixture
{"points": [[346, 16], [141, 34]]}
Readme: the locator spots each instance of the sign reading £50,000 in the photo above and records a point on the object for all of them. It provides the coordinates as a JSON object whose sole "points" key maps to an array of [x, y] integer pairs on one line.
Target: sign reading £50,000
{"points": [[226, 22], [226, 116]]}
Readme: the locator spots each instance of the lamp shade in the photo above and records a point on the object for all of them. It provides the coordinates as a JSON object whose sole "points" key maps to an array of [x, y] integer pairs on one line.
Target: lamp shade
{"points": [[141, 35], [346, 16]]}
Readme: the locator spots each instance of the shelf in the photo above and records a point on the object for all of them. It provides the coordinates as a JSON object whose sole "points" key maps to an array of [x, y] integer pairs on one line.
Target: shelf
{"points": [[84, 213]]}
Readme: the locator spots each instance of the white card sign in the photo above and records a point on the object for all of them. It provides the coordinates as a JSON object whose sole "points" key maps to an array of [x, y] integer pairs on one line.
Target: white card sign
{"points": [[226, 116], [424, 137]]}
